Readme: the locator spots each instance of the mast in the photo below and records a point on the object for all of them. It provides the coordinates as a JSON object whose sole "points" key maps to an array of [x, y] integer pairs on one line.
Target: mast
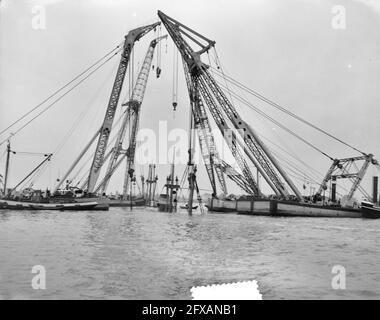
{"points": [[172, 184], [154, 189], [7, 167], [190, 164]]}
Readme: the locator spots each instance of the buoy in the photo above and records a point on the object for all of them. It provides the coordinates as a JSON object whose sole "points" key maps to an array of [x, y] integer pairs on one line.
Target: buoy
{"points": [[158, 72], [174, 105]]}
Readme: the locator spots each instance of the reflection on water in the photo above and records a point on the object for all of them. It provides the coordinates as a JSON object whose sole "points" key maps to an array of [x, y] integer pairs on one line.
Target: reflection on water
{"points": [[145, 254]]}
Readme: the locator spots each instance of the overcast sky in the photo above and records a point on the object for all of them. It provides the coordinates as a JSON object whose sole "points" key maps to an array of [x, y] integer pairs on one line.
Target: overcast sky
{"points": [[287, 50]]}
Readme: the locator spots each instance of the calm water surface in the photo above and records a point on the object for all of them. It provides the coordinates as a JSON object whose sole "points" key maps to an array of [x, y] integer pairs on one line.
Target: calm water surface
{"points": [[145, 254]]}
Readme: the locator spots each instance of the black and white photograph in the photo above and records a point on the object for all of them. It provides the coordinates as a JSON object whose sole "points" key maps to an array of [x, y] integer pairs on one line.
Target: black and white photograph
{"points": [[189, 150]]}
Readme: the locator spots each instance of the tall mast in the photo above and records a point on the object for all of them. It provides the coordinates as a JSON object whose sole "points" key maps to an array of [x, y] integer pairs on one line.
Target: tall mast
{"points": [[172, 183], [7, 168], [190, 164]]}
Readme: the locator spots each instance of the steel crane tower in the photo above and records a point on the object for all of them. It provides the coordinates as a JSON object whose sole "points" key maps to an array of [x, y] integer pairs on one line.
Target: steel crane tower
{"points": [[105, 130], [205, 89], [131, 120], [347, 169]]}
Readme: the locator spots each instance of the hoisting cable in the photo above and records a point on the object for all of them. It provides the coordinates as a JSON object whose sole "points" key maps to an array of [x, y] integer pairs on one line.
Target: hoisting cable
{"points": [[283, 109], [59, 98], [82, 115], [159, 46], [175, 78], [60, 89], [262, 113]]}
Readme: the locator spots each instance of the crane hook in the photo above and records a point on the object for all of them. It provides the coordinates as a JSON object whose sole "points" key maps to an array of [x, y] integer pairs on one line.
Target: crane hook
{"points": [[158, 72]]}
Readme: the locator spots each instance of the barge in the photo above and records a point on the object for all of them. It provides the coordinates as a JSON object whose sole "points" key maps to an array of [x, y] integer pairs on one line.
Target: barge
{"points": [[273, 207], [72, 206]]}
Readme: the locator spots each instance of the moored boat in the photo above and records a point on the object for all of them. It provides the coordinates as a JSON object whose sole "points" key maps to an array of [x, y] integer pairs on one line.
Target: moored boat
{"points": [[369, 211], [273, 207], [136, 201], [73, 206]]}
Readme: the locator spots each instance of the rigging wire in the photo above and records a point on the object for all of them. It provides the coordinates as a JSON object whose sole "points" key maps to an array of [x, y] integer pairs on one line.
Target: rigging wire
{"points": [[29, 153], [91, 155], [221, 68], [82, 115], [276, 105], [294, 157], [175, 78], [60, 89], [59, 98], [262, 113], [281, 108]]}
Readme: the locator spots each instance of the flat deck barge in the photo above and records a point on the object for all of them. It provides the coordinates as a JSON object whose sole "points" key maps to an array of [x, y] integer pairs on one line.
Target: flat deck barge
{"points": [[271, 207]]}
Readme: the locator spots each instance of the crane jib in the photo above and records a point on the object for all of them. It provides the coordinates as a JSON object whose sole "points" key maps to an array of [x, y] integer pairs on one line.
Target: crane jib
{"points": [[106, 128]]}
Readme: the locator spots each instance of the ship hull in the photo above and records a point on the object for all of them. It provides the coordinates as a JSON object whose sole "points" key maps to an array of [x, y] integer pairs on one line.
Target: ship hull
{"points": [[71, 206], [269, 207], [369, 211], [221, 206], [138, 202]]}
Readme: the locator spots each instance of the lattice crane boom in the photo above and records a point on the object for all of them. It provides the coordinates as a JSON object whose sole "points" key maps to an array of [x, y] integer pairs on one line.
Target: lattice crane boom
{"points": [[240, 180], [98, 160], [342, 169], [206, 140], [130, 119], [253, 146]]}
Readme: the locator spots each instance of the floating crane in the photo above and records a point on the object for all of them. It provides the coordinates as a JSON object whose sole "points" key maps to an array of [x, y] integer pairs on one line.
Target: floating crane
{"points": [[204, 90], [206, 98], [105, 131], [131, 119]]}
